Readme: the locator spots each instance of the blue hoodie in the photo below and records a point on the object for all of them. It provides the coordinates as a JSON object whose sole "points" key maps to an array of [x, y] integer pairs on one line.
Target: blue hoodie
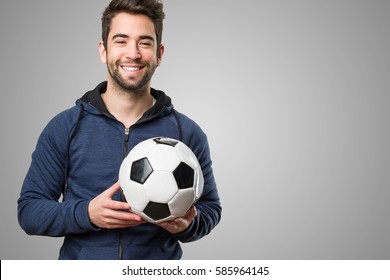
{"points": [[78, 156]]}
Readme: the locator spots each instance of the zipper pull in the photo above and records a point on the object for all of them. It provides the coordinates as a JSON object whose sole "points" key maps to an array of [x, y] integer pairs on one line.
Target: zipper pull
{"points": [[127, 133], [126, 142]]}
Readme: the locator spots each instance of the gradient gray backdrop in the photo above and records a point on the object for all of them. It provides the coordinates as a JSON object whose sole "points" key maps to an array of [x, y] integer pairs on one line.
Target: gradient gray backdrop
{"points": [[294, 96]]}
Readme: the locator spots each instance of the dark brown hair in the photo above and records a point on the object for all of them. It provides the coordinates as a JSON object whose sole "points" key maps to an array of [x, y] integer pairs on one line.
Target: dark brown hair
{"points": [[150, 8]]}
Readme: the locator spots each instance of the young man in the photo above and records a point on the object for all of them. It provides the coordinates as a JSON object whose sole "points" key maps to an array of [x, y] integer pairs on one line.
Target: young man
{"points": [[79, 153]]}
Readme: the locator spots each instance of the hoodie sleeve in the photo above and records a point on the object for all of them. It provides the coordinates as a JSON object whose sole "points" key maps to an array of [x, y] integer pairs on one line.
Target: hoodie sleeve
{"points": [[208, 206], [39, 209]]}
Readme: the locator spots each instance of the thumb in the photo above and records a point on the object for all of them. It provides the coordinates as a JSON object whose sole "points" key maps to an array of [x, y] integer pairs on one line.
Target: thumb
{"points": [[192, 213]]}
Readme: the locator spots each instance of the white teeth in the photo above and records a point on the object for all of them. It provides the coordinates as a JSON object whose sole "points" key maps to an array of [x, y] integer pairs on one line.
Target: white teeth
{"points": [[130, 68]]}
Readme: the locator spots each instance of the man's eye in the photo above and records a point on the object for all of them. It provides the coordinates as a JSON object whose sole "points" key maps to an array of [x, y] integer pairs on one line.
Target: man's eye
{"points": [[146, 44]]}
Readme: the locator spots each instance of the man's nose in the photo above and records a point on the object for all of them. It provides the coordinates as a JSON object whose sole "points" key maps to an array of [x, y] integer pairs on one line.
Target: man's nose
{"points": [[133, 52]]}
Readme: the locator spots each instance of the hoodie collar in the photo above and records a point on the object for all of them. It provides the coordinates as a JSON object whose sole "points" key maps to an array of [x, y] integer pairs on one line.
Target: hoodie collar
{"points": [[94, 98]]}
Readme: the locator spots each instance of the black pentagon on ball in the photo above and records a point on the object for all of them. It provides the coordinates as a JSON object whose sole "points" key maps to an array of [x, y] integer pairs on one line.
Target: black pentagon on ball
{"points": [[140, 170], [166, 141], [157, 211], [184, 176]]}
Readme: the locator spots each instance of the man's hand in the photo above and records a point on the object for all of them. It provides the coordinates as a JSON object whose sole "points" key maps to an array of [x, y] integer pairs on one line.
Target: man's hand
{"points": [[107, 213], [181, 223]]}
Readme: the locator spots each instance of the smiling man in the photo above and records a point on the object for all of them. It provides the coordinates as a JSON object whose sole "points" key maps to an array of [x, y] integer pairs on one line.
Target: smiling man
{"points": [[132, 55], [79, 153]]}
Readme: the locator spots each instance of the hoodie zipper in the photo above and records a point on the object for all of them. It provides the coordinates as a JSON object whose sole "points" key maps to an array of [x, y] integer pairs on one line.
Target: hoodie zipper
{"points": [[125, 153]]}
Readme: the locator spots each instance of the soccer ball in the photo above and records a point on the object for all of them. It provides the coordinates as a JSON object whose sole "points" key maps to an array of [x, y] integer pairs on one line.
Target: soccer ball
{"points": [[161, 179]]}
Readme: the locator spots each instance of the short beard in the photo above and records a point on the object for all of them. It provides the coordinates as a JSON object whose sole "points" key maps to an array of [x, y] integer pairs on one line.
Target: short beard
{"points": [[130, 86]]}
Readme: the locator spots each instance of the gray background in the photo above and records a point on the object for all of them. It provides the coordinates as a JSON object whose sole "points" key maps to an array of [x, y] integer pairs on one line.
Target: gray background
{"points": [[294, 96]]}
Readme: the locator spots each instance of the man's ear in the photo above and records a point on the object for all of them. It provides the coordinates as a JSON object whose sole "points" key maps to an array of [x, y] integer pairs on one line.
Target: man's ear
{"points": [[102, 52], [160, 54]]}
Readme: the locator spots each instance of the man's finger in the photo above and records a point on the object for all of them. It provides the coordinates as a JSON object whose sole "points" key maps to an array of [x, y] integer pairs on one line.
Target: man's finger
{"points": [[117, 205], [110, 192]]}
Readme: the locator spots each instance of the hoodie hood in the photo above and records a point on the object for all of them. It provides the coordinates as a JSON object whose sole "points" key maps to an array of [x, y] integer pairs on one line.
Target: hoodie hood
{"points": [[93, 97]]}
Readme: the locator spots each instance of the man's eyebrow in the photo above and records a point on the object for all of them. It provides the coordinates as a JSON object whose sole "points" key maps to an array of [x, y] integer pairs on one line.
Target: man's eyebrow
{"points": [[120, 35], [147, 37], [142, 37]]}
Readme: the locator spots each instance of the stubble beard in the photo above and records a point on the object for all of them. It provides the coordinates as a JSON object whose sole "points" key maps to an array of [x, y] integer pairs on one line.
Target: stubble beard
{"points": [[136, 86]]}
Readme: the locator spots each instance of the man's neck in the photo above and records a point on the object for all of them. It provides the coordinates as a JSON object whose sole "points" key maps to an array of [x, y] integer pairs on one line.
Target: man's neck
{"points": [[127, 107]]}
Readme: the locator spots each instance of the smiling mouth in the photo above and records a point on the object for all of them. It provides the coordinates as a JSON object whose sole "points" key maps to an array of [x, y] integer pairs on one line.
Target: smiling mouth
{"points": [[131, 69]]}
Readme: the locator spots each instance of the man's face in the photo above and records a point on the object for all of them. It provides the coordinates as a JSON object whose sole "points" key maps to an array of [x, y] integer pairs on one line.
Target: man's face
{"points": [[131, 53]]}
